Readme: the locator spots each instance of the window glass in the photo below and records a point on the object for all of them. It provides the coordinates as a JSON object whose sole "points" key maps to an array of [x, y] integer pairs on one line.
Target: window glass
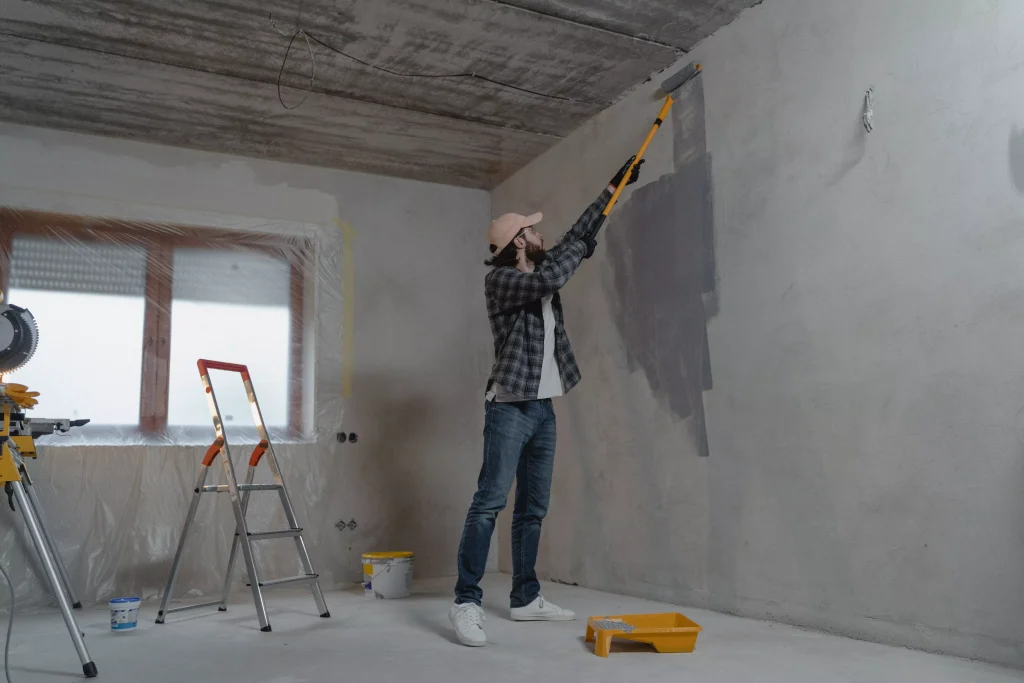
{"points": [[87, 299], [230, 306]]}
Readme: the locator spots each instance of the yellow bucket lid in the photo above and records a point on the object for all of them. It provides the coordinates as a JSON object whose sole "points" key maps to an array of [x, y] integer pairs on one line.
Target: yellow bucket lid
{"points": [[387, 555]]}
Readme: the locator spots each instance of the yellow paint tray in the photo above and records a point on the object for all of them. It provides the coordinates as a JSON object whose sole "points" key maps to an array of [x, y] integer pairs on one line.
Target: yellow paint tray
{"points": [[668, 632]]}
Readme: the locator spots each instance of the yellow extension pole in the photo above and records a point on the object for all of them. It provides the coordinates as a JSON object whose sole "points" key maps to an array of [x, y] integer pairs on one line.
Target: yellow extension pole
{"points": [[639, 155]]}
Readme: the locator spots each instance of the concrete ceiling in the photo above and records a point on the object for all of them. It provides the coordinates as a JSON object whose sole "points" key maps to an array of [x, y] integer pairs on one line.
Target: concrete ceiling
{"points": [[204, 74]]}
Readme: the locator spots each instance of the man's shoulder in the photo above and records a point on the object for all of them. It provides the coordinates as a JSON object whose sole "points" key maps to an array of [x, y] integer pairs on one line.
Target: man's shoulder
{"points": [[489, 280], [497, 272]]}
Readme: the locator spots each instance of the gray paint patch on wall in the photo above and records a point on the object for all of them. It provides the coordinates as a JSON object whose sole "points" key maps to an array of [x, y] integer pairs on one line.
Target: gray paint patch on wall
{"points": [[690, 155], [662, 254], [1017, 158]]}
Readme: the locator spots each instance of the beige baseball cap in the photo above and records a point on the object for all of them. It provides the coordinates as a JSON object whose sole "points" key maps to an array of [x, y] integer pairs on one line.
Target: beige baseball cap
{"points": [[504, 228]]}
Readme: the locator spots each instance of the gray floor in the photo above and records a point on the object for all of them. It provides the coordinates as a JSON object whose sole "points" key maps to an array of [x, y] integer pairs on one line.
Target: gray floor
{"points": [[410, 640]]}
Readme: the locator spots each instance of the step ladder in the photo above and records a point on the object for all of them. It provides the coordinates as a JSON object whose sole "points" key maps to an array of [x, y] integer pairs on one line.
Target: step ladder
{"points": [[240, 503]]}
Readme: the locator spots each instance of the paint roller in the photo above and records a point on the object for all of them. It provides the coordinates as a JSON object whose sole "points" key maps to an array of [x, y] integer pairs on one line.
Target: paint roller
{"points": [[669, 86]]}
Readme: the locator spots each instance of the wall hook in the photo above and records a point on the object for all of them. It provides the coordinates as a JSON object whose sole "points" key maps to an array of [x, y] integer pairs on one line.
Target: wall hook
{"points": [[869, 109]]}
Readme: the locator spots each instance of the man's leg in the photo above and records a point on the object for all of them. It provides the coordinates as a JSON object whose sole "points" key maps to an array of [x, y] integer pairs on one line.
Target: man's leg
{"points": [[507, 429], [533, 491]]}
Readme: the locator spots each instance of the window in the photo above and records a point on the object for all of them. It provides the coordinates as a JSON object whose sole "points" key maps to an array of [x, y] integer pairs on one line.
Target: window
{"points": [[88, 302], [126, 310], [229, 305]]}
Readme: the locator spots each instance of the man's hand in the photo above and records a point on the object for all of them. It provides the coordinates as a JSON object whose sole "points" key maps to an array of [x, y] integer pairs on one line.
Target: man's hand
{"points": [[633, 176]]}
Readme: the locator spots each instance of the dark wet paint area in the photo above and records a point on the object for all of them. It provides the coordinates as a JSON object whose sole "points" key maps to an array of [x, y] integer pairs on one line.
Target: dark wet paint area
{"points": [[662, 253]]}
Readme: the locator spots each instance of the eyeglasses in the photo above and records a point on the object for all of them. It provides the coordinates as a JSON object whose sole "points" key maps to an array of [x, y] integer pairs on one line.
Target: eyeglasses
{"points": [[521, 233]]}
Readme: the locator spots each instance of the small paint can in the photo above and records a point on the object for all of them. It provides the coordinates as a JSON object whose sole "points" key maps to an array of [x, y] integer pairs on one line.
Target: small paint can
{"points": [[387, 575], [124, 613]]}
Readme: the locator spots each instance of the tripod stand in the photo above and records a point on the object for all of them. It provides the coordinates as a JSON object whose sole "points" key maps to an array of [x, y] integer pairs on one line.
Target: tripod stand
{"points": [[17, 435]]}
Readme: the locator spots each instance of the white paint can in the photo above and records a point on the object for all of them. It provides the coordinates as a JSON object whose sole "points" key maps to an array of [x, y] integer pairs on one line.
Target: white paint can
{"points": [[387, 575], [124, 613]]}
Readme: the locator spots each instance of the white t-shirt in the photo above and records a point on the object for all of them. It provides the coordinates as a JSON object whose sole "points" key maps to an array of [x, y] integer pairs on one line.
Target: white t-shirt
{"points": [[550, 378]]}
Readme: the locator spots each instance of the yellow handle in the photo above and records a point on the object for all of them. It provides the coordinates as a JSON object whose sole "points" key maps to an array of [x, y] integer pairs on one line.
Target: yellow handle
{"points": [[639, 155]]}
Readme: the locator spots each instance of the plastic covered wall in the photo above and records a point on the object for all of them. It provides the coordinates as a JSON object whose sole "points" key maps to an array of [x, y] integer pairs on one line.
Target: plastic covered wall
{"points": [[124, 310]]}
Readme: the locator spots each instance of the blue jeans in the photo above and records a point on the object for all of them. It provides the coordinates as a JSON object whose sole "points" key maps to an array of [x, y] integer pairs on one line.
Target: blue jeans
{"points": [[519, 443]]}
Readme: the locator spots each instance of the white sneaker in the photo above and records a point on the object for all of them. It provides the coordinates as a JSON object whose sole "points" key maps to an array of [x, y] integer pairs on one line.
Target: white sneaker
{"points": [[467, 618], [542, 610]]}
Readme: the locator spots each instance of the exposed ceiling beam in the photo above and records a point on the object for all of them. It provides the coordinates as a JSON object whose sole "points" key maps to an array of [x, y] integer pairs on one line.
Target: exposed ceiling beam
{"points": [[595, 27], [679, 23]]}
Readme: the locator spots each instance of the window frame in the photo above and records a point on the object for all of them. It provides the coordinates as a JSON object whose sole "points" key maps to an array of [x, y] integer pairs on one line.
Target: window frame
{"points": [[160, 240]]}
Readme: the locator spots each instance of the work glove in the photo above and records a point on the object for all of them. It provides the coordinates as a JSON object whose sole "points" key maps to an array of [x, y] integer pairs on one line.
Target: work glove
{"points": [[633, 176], [591, 246]]}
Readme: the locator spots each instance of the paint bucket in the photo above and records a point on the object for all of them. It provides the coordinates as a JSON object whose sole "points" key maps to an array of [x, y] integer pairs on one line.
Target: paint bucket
{"points": [[387, 575], [124, 613]]}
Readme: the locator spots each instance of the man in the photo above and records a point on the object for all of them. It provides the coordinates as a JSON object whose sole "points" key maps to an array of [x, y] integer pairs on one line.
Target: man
{"points": [[533, 364]]}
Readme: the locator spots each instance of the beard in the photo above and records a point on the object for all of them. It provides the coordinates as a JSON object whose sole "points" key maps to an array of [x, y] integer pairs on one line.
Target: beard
{"points": [[535, 254]]}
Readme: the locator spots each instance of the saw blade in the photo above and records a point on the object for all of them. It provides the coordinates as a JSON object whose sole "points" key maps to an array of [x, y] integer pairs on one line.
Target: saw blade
{"points": [[18, 329]]}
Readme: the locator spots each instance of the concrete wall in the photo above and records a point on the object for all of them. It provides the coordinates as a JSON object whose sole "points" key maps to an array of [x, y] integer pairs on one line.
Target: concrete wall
{"points": [[866, 460], [117, 511]]}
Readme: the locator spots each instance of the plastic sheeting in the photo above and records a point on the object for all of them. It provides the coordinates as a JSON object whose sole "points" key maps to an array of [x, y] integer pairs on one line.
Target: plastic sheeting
{"points": [[125, 309]]}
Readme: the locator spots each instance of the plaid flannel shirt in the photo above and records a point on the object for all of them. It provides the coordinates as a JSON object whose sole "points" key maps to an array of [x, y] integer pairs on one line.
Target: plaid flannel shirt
{"points": [[516, 317]]}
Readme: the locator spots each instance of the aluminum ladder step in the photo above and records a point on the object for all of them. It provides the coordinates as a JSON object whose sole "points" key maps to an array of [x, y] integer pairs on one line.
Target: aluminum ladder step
{"points": [[274, 583], [184, 608], [265, 535], [224, 488]]}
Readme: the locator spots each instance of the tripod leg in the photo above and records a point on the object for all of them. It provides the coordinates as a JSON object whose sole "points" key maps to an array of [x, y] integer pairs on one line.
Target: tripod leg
{"points": [[88, 667], [57, 559]]}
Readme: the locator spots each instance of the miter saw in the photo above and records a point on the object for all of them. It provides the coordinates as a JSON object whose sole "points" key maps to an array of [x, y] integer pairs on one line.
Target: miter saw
{"points": [[18, 339]]}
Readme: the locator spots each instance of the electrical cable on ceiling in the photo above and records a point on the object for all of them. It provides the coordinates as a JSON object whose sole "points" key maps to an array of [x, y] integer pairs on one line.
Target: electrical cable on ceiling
{"points": [[312, 64], [10, 625], [462, 74]]}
